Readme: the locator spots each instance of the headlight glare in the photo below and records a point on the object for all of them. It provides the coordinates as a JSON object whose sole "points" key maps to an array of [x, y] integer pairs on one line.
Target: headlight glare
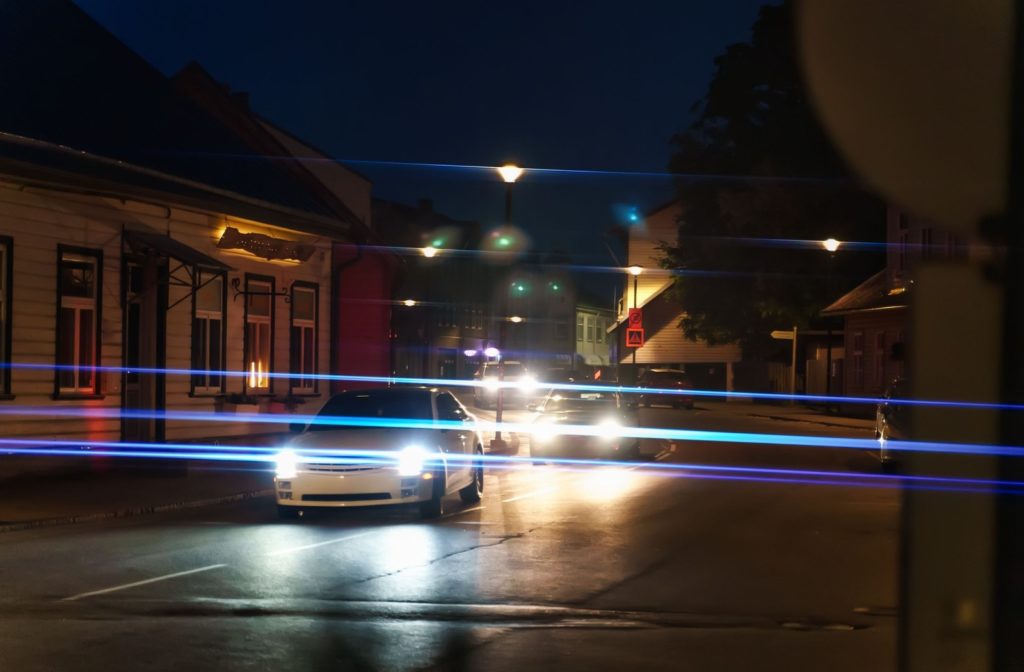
{"points": [[527, 383], [287, 464], [491, 384], [544, 432], [610, 428], [410, 460]]}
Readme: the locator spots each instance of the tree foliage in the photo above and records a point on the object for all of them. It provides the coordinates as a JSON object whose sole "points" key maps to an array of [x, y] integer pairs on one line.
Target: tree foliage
{"points": [[757, 175]]}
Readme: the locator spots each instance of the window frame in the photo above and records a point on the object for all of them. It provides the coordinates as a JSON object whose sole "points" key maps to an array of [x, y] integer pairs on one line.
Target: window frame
{"points": [[197, 314], [95, 255], [314, 389], [271, 283], [6, 311], [581, 328]]}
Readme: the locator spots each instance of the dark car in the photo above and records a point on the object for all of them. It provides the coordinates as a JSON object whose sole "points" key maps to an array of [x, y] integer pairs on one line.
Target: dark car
{"points": [[603, 412], [892, 421], [665, 379]]}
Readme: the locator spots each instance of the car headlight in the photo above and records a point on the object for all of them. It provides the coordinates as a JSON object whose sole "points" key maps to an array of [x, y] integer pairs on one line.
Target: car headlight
{"points": [[491, 384], [610, 428], [527, 384], [287, 464], [544, 432], [410, 460]]}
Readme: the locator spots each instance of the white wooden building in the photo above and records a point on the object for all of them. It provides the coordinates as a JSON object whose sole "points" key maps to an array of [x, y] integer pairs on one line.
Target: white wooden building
{"points": [[111, 274]]}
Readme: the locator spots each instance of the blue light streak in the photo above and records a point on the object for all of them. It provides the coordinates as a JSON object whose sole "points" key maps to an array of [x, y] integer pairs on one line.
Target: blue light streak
{"points": [[387, 459], [580, 387]]}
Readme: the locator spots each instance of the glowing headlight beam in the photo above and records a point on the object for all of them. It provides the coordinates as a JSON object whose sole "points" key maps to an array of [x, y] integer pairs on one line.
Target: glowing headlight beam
{"points": [[527, 428]]}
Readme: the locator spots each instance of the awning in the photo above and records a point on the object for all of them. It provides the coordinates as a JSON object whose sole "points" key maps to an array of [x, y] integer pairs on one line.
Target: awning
{"points": [[163, 244]]}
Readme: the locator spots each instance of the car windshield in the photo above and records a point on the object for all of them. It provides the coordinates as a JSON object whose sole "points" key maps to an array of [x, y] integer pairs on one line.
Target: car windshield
{"points": [[579, 401], [387, 404], [512, 370]]}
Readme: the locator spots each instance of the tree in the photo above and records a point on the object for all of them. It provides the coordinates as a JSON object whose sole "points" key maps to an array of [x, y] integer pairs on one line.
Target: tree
{"points": [[757, 175]]}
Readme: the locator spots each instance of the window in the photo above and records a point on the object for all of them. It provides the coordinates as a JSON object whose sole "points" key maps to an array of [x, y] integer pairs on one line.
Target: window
{"points": [[880, 357], [449, 409], [857, 359], [6, 248], [208, 333], [78, 326], [600, 330], [590, 328], [579, 328], [927, 249], [303, 346], [560, 330], [259, 332]]}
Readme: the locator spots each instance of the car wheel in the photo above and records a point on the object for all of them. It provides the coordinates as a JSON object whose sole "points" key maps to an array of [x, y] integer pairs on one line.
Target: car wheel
{"points": [[434, 507], [288, 512], [472, 493]]}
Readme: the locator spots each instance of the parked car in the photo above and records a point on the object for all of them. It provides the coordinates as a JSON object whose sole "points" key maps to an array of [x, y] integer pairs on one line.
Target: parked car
{"points": [[520, 385], [605, 412], [892, 421], [670, 379], [349, 456]]}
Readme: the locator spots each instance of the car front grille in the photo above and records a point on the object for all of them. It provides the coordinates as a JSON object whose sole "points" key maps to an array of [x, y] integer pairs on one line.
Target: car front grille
{"points": [[350, 497], [337, 468]]}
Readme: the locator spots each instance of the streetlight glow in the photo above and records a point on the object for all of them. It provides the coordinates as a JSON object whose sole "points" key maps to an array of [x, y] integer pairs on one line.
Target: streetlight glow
{"points": [[469, 353], [831, 244], [510, 172], [635, 270], [429, 251], [516, 319], [492, 352], [409, 303]]}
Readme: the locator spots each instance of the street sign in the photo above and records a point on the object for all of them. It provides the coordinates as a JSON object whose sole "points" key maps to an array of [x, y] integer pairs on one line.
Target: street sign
{"points": [[634, 338], [782, 335], [636, 318]]}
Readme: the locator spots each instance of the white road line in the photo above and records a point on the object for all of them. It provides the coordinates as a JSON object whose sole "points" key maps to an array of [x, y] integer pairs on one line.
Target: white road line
{"points": [[141, 583], [529, 494], [296, 549]]}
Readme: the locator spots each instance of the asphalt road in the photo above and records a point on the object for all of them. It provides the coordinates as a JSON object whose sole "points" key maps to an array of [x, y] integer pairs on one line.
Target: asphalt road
{"points": [[666, 567]]}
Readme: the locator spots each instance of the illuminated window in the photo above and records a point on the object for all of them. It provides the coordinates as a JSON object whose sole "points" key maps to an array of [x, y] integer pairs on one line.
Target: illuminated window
{"points": [[6, 246], [78, 325], [303, 346], [208, 333], [259, 332]]}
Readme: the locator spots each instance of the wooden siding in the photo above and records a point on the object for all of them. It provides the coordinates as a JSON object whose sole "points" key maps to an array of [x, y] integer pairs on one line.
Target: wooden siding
{"points": [[878, 367], [665, 342], [40, 219]]}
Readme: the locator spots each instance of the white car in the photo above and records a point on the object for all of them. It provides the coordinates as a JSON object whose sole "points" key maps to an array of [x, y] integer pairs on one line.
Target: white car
{"points": [[360, 451]]}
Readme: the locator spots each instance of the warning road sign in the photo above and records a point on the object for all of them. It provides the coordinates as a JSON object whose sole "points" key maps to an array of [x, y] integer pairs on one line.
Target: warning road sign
{"points": [[634, 338], [636, 318]]}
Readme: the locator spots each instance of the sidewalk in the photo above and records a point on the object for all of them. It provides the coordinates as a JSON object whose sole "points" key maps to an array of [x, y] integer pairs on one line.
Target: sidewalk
{"points": [[74, 497], [798, 413]]}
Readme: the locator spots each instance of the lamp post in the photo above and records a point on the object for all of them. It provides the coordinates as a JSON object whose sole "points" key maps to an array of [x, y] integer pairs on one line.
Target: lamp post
{"points": [[509, 174], [830, 245], [635, 270]]}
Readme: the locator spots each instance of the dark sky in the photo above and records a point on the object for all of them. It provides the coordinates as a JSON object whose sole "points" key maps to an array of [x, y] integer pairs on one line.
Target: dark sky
{"points": [[590, 86]]}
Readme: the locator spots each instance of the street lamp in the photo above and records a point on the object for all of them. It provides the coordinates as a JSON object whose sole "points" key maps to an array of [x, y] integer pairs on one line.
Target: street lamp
{"points": [[429, 251], [830, 245], [509, 174], [409, 303], [516, 319]]}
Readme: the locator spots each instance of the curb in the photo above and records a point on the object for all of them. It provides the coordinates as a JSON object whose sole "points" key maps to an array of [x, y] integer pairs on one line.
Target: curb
{"points": [[783, 418], [134, 511]]}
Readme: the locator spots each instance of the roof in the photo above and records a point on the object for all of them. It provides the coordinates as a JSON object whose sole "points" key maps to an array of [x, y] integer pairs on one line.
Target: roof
{"points": [[47, 165], [172, 248], [77, 86], [871, 295]]}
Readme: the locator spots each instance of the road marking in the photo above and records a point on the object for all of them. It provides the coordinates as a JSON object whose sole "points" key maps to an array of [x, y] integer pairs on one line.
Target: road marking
{"points": [[459, 513], [529, 494], [296, 549], [141, 583]]}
